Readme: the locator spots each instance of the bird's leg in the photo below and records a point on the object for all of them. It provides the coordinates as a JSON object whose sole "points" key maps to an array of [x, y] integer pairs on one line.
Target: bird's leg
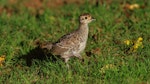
{"points": [[78, 56], [66, 61]]}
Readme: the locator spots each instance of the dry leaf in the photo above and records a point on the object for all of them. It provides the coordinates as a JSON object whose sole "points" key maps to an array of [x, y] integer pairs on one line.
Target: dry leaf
{"points": [[96, 51], [132, 6]]}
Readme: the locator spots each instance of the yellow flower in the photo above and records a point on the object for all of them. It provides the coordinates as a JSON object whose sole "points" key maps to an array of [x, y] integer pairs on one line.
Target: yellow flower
{"points": [[2, 59], [140, 39], [138, 43], [127, 42]]}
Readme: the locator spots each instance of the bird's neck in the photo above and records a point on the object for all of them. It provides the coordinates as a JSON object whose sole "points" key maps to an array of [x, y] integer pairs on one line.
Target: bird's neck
{"points": [[83, 30]]}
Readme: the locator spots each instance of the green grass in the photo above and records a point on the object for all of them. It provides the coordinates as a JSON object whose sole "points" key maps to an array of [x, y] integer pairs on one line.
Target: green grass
{"points": [[19, 31]]}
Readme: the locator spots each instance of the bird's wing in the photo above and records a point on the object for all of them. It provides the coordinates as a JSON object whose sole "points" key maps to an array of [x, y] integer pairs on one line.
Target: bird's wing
{"points": [[68, 41]]}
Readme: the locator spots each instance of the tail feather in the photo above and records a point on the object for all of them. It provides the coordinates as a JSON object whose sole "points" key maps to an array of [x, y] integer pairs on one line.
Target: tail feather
{"points": [[47, 46]]}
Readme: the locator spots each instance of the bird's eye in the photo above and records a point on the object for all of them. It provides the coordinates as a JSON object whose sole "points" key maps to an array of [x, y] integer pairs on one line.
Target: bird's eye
{"points": [[85, 17]]}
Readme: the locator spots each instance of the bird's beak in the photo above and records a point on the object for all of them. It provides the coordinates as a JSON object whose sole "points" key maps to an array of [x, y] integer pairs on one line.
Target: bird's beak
{"points": [[93, 19]]}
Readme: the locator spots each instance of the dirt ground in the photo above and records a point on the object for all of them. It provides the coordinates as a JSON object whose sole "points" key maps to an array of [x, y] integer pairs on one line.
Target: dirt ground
{"points": [[37, 6]]}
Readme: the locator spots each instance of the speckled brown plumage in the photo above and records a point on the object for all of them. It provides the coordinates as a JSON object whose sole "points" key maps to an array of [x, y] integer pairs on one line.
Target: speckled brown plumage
{"points": [[74, 43]]}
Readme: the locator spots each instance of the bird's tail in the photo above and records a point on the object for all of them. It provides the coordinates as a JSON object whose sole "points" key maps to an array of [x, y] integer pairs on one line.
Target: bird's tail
{"points": [[47, 45]]}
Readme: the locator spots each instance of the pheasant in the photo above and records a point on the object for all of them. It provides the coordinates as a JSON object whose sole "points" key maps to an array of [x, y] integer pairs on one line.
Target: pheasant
{"points": [[72, 44]]}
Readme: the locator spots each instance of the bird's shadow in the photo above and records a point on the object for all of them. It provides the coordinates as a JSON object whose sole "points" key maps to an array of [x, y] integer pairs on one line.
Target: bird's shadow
{"points": [[39, 54]]}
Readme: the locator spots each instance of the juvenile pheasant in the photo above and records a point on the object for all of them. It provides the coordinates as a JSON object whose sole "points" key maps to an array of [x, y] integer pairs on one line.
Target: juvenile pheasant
{"points": [[74, 43]]}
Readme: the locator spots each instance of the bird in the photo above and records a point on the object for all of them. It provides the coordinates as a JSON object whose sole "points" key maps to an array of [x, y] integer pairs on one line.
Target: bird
{"points": [[73, 43]]}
